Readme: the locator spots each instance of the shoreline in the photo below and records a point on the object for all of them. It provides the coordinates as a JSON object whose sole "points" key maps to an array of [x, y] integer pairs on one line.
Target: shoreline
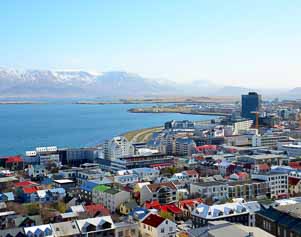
{"points": [[168, 110]]}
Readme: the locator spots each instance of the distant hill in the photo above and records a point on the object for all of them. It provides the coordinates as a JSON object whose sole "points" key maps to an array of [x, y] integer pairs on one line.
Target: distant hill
{"points": [[47, 83]]}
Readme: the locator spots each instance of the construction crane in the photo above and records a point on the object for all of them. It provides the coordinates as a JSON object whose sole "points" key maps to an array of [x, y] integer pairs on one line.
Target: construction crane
{"points": [[257, 118]]}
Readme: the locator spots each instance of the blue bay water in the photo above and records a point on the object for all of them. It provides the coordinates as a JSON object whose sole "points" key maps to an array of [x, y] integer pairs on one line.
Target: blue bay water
{"points": [[24, 127]]}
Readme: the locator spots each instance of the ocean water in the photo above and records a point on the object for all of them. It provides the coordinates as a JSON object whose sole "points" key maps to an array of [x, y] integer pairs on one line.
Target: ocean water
{"points": [[24, 127]]}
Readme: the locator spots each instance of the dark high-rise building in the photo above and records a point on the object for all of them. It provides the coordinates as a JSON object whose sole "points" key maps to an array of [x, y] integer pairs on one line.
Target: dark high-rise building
{"points": [[250, 103]]}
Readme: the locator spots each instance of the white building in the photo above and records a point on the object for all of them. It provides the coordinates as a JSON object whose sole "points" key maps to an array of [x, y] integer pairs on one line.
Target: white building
{"points": [[146, 174], [98, 226], [111, 198], [125, 177], [217, 190], [238, 211], [40, 230], [278, 183], [156, 226], [117, 147], [267, 140], [292, 149], [165, 193]]}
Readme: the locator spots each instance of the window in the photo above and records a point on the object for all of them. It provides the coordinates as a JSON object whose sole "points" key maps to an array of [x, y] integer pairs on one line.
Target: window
{"points": [[162, 230], [120, 234]]}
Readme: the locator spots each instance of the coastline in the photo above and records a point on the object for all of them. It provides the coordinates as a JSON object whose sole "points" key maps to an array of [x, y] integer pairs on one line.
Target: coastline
{"points": [[181, 110]]}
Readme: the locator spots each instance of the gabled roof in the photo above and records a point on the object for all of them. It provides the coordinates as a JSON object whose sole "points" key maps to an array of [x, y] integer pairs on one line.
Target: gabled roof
{"points": [[68, 228], [7, 196], [191, 172], [25, 183], [152, 204], [94, 221], [155, 187], [190, 202], [29, 190], [153, 220], [171, 208], [88, 186], [94, 209]]}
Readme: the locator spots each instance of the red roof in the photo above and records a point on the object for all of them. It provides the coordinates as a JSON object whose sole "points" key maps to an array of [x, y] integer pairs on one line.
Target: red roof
{"points": [[153, 220], [29, 190], [190, 202], [94, 209], [161, 165], [293, 180], [13, 159], [171, 208], [263, 167], [206, 147], [25, 184], [242, 175], [295, 164], [191, 172], [152, 204]]}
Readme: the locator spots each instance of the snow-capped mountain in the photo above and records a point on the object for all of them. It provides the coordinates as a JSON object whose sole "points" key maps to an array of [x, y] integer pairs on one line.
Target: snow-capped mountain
{"points": [[77, 83], [69, 83]]}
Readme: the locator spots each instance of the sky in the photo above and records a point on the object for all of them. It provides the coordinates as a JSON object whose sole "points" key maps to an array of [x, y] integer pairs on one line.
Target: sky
{"points": [[240, 43]]}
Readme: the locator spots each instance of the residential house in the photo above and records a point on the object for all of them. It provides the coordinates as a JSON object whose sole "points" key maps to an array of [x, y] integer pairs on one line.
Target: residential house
{"points": [[40, 230], [96, 210], [217, 190], [66, 229], [98, 226], [281, 221], [128, 206], [278, 183], [126, 229], [233, 212], [111, 198], [165, 193], [27, 221], [124, 177], [157, 226], [86, 190], [12, 232], [146, 174], [188, 205]]}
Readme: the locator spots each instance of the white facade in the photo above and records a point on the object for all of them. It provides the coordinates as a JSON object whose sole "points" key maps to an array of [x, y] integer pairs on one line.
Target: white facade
{"points": [[117, 147], [166, 228], [216, 190], [241, 126], [111, 198], [278, 183], [292, 149], [147, 174], [267, 140]]}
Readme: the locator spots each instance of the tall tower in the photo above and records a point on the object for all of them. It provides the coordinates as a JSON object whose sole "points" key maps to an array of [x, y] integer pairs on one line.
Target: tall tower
{"points": [[250, 103]]}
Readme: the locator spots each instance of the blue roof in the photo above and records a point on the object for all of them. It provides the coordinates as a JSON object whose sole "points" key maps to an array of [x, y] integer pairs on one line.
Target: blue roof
{"points": [[46, 180], [7, 196], [88, 186], [58, 190], [139, 213]]}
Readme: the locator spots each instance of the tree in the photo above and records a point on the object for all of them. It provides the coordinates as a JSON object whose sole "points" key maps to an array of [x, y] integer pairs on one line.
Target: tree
{"points": [[60, 206], [32, 208], [166, 215]]}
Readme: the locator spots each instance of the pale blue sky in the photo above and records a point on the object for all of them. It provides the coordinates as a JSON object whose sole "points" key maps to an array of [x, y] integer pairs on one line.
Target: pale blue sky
{"points": [[244, 43]]}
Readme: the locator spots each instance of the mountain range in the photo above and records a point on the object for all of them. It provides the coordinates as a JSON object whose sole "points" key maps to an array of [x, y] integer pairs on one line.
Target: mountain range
{"points": [[48, 83]]}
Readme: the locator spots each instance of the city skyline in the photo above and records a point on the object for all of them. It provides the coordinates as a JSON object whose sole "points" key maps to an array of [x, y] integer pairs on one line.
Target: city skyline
{"points": [[238, 43]]}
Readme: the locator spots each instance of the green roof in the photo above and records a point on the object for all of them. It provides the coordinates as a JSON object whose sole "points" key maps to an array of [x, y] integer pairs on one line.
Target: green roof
{"points": [[101, 188], [112, 191]]}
